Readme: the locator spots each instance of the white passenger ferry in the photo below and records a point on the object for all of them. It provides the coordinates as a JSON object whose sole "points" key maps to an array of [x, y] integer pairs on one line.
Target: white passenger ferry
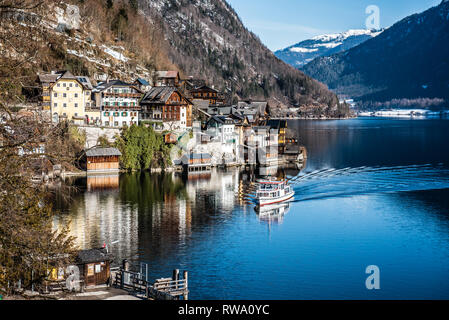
{"points": [[271, 192]]}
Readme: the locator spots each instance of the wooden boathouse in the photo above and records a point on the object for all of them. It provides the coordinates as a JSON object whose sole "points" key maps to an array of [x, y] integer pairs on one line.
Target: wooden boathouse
{"points": [[95, 266], [104, 160], [197, 162]]}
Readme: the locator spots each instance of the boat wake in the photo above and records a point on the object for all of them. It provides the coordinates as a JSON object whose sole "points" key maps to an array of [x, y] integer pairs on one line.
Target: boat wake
{"points": [[331, 183]]}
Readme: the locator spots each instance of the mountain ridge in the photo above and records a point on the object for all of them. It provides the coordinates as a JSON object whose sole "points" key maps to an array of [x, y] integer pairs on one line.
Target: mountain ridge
{"points": [[407, 61], [305, 51], [132, 38]]}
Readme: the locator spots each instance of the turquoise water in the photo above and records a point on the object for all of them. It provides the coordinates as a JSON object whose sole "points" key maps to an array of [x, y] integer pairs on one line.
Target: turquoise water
{"points": [[373, 192]]}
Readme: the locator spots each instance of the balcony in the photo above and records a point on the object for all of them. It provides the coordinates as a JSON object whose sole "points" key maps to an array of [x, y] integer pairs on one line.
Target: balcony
{"points": [[123, 95]]}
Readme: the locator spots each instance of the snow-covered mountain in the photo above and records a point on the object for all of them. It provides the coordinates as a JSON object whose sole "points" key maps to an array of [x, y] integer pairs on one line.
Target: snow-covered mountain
{"points": [[305, 51], [408, 61]]}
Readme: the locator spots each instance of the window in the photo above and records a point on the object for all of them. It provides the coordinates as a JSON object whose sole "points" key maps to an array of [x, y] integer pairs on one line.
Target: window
{"points": [[55, 105], [76, 114], [65, 105], [106, 123], [76, 105], [116, 124], [71, 85], [124, 123], [58, 84], [55, 95], [124, 114], [76, 85], [76, 95], [64, 85], [106, 114]]}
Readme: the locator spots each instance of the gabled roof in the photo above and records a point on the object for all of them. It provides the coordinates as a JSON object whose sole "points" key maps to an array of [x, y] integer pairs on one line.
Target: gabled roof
{"points": [[103, 152], [48, 78], [93, 255], [204, 88], [203, 156], [220, 120], [158, 95], [161, 95], [55, 76], [67, 75], [102, 86]]}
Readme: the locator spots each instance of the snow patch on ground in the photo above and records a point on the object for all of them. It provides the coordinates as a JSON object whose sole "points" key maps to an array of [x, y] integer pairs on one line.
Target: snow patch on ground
{"points": [[115, 54], [80, 55], [303, 50]]}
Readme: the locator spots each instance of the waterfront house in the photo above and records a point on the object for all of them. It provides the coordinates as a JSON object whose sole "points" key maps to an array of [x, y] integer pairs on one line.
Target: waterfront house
{"points": [[222, 129], [197, 162], [280, 126], [166, 108], [105, 160], [95, 266], [167, 79], [118, 102], [223, 139], [266, 143]]}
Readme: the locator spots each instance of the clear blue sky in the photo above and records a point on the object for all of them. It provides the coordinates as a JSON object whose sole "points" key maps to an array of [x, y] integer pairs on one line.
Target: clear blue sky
{"points": [[281, 23]]}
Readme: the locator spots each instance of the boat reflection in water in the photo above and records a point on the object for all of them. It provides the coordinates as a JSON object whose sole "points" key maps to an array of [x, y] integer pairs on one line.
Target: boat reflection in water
{"points": [[273, 213]]}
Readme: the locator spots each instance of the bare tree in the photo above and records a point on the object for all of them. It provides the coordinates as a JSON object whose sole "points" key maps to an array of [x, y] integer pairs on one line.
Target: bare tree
{"points": [[29, 245]]}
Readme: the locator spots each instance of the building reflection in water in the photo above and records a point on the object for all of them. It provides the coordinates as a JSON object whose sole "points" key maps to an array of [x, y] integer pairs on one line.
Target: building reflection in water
{"points": [[147, 217], [103, 182]]}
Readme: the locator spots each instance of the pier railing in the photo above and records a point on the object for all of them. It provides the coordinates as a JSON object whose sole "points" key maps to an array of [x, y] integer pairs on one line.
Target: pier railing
{"points": [[163, 289]]}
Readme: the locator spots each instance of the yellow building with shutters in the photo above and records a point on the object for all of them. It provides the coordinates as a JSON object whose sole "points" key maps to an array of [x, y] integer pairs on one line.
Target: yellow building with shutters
{"points": [[68, 99]]}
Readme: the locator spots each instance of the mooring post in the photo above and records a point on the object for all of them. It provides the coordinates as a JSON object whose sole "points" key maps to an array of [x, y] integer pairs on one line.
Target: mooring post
{"points": [[125, 267], [176, 277], [186, 288]]}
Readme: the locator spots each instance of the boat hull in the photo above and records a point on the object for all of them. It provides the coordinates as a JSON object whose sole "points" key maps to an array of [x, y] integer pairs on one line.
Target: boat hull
{"points": [[268, 201]]}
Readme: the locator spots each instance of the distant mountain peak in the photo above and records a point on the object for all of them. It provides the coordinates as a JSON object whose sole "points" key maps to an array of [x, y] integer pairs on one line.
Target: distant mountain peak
{"points": [[305, 51], [407, 61]]}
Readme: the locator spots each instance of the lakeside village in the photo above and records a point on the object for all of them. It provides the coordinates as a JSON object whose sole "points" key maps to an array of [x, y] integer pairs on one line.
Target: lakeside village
{"points": [[192, 120], [202, 130]]}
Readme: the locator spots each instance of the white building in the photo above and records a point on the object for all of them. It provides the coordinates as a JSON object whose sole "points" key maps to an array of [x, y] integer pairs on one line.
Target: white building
{"points": [[118, 102]]}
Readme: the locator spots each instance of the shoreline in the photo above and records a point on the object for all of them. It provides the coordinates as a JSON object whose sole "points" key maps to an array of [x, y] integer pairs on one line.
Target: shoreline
{"points": [[315, 119]]}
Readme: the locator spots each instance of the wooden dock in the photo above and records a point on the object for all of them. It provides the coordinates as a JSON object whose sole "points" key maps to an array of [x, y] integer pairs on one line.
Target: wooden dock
{"points": [[173, 288]]}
